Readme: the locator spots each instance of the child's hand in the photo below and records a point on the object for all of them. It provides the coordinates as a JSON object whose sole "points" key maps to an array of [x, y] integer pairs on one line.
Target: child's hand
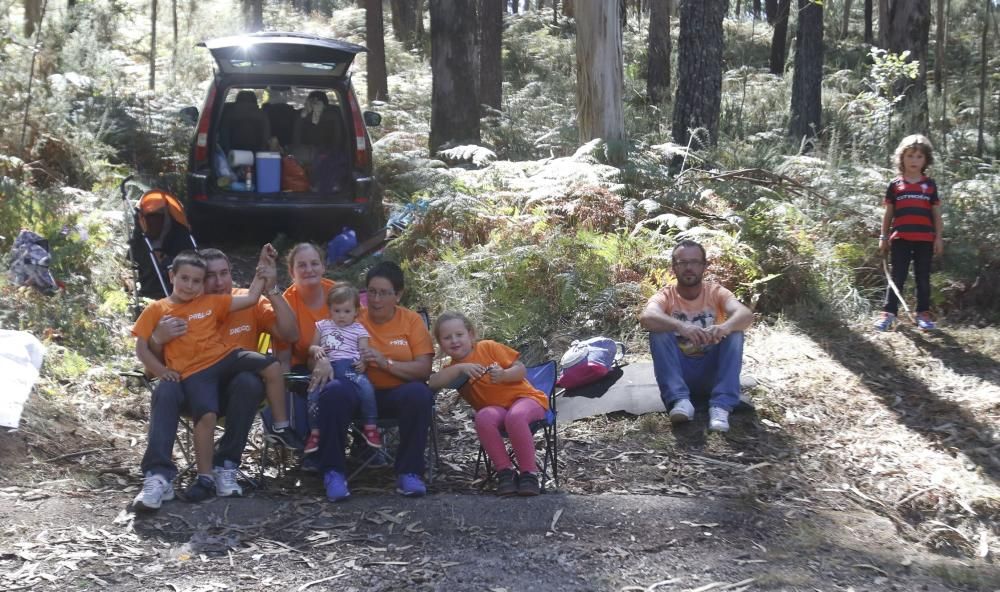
{"points": [[359, 366], [317, 352], [495, 372], [473, 371], [170, 375], [883, 246], [268, 255]]}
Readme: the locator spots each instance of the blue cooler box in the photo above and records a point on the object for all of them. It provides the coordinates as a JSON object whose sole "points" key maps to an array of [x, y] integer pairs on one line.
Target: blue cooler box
{"points": [[268, 172]]}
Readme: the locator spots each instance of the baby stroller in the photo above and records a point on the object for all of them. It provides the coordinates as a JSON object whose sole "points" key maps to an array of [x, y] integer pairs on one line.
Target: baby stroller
{"points": [[158, 230]]}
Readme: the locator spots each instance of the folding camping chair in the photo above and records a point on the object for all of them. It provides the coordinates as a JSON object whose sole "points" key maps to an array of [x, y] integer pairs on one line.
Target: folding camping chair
{"points": [[543, 378], [157, 230]]}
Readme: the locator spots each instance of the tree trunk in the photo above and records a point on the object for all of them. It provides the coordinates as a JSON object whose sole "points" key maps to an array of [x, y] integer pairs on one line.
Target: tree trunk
{"points": [[846, 25], [32, 16], [658, 71], [420, 36], [253, 13], [600, 76], [515, 6], [983, 58], [909, 29], [779, 38], [490, 51], [940, 43], [378, 84], [807, 78], [756, 9], [869, 33], [771, 11], [454, 69], [883, 23], [173, 53], [152, 45], [404, 22], [699, 69], [568, 8]]}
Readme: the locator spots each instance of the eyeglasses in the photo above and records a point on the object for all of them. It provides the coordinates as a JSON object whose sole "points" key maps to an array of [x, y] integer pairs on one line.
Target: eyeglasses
{"points": [[381, 293], [689, 263]]}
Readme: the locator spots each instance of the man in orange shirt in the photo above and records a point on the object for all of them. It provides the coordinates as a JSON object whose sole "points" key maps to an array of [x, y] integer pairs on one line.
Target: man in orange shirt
{"points": [[696, 339], [239, 400]]}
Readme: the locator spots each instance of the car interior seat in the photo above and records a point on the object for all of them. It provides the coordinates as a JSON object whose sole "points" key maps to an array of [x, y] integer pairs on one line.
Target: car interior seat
{"points": [[244, 125]]}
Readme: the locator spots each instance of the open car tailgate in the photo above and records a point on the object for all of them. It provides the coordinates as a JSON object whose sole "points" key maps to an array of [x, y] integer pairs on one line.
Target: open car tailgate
{"points": [[274, 53]]}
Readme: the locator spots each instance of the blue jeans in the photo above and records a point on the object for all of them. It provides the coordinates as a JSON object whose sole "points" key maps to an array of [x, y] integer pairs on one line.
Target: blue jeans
{"points": [[344, 370], [409, 403], [240, 400], [716, 372]]}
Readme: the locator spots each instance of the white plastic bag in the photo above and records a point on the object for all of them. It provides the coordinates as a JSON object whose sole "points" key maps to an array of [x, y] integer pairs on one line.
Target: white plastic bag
{"points": [[20, 360]]}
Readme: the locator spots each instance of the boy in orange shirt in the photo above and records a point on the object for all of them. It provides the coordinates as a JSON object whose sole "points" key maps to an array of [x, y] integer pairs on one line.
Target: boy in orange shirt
{"points": [[201, 360]]}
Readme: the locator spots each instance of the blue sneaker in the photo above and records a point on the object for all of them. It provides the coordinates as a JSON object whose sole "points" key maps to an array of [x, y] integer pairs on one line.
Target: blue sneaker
{"points": [[410, 485], [925, 322], [885, 322], [336, 486]]}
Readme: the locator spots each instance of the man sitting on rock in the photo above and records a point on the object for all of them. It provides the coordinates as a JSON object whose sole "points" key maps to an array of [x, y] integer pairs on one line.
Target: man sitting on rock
{"points": [[696, 339]]}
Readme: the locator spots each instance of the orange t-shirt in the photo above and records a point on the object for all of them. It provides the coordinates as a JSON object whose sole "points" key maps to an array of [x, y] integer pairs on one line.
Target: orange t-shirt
{"points": [[484, 392], [708, 309], [242, 328], [202, 345], [306, 318], [401, 339]]}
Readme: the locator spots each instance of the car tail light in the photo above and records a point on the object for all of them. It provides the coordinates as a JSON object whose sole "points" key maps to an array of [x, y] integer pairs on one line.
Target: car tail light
{"points": [[201, 139], [360, 142], [199, 197]]}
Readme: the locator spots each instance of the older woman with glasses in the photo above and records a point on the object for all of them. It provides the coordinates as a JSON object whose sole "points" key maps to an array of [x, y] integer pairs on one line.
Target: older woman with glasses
{"points": [[399, 362]]}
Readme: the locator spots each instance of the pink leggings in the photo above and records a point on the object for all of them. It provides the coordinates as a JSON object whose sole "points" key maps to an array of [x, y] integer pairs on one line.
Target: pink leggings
{"points": [[516, 421]]}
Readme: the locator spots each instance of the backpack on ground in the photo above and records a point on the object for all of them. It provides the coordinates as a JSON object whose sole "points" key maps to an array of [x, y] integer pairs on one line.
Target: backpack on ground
{"points": [[589, 361]]}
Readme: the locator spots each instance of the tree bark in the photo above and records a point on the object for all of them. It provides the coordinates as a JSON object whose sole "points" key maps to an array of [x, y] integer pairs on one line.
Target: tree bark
{"points": [[515, 6], [454, 65], [600, 76], [869, 33], [378, 84], [756, 9], [983, 58], [404, 22], [940, 43], [807, 78], [909, 29], [568, 8], [846, 24], [253, 12], [883, 23], [32, 16], [771, 11], [152, 44], [490, 52], [779, 38], [699, 69], [658, 70]]}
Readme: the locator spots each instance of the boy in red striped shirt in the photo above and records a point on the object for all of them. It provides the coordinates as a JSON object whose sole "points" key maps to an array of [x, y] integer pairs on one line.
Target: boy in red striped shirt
{"points": [[913, 212]]}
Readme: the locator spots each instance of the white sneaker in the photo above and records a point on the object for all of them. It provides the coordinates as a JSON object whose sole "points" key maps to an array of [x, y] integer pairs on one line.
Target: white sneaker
{"points": [[682, 411], [155, 491], [718, 419], [225, 481]]}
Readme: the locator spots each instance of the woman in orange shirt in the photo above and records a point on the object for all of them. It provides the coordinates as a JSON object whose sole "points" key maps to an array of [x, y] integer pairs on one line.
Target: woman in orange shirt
{"points": [[399, 355]]}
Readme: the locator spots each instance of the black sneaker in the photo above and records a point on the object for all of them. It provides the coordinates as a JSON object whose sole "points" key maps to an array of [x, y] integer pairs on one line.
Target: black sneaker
{"points": [[286, 437], [202, 489], [527, 485], [507, 483]]}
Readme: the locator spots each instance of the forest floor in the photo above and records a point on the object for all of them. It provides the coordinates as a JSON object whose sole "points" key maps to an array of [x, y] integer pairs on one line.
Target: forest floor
{"points": [[871, 462]]}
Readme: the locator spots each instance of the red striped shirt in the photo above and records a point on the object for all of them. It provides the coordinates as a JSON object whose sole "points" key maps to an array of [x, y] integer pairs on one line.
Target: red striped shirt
{"points": [[913, 208]]}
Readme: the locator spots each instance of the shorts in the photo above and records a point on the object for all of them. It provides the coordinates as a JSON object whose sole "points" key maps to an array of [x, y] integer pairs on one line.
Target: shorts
{"points": [[202, 388]]}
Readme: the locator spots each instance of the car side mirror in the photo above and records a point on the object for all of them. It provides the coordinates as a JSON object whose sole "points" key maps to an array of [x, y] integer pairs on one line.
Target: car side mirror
{"points": [[372, 119], [190, 115]]}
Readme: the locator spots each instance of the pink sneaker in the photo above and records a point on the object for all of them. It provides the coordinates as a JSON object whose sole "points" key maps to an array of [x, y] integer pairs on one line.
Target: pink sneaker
{"points": [[372, 436], [312, 443]]}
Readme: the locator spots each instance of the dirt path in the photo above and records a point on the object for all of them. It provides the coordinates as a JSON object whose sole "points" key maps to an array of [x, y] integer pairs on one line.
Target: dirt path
{"points": [[378, 541]]}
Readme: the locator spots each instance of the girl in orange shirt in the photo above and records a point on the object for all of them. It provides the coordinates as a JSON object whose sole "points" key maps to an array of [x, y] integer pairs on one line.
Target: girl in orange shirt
{"points": [[496, 387]]}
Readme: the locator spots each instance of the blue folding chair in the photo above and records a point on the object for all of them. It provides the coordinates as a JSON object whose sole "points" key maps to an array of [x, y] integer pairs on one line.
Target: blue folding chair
{"points": [[542, 377]]}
